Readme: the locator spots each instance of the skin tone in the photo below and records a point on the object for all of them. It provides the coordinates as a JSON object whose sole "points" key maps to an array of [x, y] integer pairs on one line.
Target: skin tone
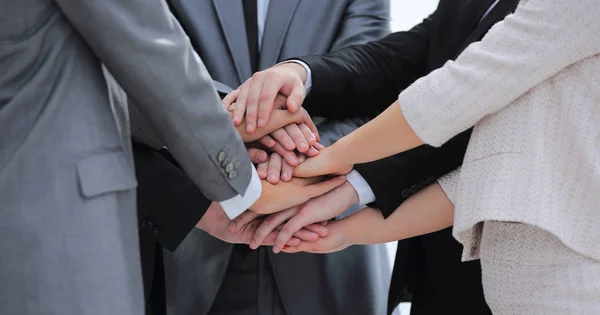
{"points": [[427, 211]]}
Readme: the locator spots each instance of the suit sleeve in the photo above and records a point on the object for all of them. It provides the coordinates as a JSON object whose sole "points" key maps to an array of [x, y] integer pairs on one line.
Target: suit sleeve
{"points": [[145, 49], [399, 176], [362, 80], [529, 47], [363, 21], [169, 203]]}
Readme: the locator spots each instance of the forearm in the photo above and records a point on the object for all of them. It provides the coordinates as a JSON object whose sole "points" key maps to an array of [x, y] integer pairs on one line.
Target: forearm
{"points": [[426, 212], [386, 135]]}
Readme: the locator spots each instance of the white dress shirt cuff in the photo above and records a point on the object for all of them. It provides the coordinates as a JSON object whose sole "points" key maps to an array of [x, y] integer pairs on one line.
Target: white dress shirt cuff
{"points": [[238, 204], [364, 191], [308, 83]]}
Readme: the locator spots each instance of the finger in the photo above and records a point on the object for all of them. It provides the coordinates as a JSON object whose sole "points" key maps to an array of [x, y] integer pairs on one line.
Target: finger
{"points": [[270, 240], [230, 98], [319, 146], [252, 103], [308, 134], [257, 155], [312, 152], [297, 222], [306, 235], [301, 158], [240, 222], [283, 137], [268, 94], [319, 189], [296, 97], [311, 125], [267, 141], [297, 136], [288, 156], [240, 104], [269, 224], [262, 170], [286, 171], [318, 228], [274, 169]]}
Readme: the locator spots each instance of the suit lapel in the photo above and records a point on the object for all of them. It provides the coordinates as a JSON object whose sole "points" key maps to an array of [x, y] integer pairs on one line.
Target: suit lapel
{"points": [[231, 17], [278, 21], [503, 8]]}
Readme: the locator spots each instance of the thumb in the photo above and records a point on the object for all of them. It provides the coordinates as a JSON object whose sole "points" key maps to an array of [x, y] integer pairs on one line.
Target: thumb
{"points": [[315, 166], [325, 186], [296, 98]]}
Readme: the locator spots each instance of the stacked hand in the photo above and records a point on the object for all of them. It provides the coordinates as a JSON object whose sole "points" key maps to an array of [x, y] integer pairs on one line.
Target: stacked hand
{"points": [[297, 199]]}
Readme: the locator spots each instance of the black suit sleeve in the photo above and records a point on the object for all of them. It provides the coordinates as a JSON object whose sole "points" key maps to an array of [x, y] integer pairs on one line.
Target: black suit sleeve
{"points": [[363, 80], [397, 177], [169, 203]]}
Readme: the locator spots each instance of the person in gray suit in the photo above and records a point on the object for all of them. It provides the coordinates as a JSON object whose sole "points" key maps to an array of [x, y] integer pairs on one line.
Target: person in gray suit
{"points": [[68, 233], [208, 276]]}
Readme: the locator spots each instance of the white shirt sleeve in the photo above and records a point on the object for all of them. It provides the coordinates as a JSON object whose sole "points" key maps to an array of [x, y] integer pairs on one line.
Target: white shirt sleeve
{"points": [[364, 191], [238, 204], [308, 83]]}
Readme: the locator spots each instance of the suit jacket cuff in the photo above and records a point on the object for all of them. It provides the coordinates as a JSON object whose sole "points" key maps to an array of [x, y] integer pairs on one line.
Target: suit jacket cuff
{"points": [[235, 206]]}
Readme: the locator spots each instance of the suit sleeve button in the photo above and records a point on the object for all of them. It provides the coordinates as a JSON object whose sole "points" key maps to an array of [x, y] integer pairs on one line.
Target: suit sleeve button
{"points": [[232, 174], [405, 193], [221, 156], [147, 224], [414, 189], [159, 231]]}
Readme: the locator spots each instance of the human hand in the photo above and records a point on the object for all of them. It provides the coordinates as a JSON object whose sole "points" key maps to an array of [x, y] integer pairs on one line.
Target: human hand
{"points": [[327, 162], [257, 156], [277, 168], [309, 233], [319, 209], [255, 98], [285, 195], [281, 141], [353, 230], [336, 240], [216, 223], [279, 119]]}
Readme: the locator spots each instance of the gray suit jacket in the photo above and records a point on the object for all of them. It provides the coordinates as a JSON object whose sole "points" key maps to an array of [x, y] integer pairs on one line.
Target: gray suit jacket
{"points": [[68, 233], [354, 281]]}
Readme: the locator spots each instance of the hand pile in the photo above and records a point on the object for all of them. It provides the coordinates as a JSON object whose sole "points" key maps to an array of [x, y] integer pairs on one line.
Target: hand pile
{"points": [[295, 207]]}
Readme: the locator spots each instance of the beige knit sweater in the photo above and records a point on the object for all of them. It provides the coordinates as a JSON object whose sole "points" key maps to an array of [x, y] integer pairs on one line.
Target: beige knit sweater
{"points": [[531, 87]]}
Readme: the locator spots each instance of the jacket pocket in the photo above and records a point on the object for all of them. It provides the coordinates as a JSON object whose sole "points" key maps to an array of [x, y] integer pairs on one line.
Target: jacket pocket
{"points": [[105, 173]]}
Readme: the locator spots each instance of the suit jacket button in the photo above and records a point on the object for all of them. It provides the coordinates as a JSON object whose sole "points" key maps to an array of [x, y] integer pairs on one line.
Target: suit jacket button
{"points": [[221, 156], [229, 168], [225, 162], [159, 231], [414, 189], [405, 193], [232, 174], [147, 224]]}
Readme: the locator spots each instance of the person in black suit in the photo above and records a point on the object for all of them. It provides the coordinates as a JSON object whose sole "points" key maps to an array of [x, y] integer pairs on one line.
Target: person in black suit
{"points": [[364, 80]]}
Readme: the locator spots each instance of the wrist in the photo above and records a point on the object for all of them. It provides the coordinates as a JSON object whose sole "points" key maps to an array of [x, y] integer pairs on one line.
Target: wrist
{"points": [[298, 69], [211, 212]]}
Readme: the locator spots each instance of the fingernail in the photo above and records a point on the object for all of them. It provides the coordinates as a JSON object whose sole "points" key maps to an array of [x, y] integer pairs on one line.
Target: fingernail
{"points": [[232, 227], [303, 146], [236, 120], [249, 127], [253, 244], [294, 104], [285, 175], [276, 249], [273, 178], [261, 123]]}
